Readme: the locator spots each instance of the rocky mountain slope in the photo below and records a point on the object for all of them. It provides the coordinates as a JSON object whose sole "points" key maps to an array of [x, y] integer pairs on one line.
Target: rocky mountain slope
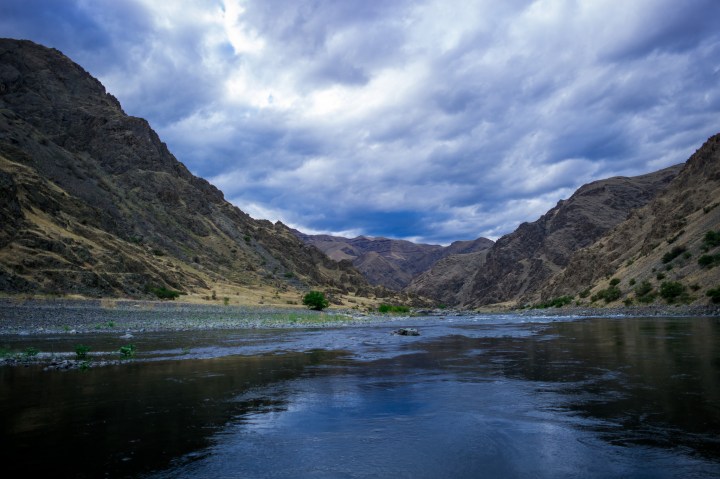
{"points": [[92, 202], [667, 250], [520, 263], [389, 262]]}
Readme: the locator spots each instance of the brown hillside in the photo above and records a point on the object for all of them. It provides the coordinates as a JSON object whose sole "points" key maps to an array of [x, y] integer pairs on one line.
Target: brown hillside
{"points": [[92, 202], [640, 248], [520, 263]]}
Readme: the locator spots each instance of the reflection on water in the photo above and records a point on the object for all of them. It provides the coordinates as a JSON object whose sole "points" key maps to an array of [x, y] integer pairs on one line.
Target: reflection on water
{"points": [[587, 398], [129, 418]]}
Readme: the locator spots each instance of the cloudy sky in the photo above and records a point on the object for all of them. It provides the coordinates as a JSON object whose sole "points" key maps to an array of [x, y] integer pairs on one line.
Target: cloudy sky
{"points": [[426, 120]]}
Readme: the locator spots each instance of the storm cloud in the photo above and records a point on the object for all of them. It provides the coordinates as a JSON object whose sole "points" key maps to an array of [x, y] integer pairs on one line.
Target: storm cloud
{"points": [[426, 120]]}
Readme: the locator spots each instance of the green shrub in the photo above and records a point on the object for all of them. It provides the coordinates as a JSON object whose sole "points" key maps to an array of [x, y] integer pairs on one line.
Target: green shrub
{"points": [[614, 282], [81, 351], [632, 282], [709, 260], [585, 293], [31, 352], [644, 292], [226, 300], [610, 294], [389, 308], [128, 351], [713, 294], [556, 302], [163, 293], [672, 291], [660, 276], [673, 253], [315, 300], [712, 239]]}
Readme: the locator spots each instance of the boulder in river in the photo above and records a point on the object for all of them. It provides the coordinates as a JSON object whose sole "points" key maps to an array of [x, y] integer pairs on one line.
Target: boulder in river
{"points": [[406, 332]]}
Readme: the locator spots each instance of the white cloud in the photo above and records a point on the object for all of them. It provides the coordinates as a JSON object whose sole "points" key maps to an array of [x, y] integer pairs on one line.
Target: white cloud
{"points": [[466, 116]]}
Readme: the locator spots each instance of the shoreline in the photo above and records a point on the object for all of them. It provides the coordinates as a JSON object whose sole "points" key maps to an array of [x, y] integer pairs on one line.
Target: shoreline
{"points": [[21, 316]]}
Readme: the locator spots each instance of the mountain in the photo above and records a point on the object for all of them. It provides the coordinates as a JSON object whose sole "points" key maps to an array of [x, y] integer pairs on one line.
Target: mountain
{"points": [[520, 263], [389, 262], [92, 202], [675, 238]]}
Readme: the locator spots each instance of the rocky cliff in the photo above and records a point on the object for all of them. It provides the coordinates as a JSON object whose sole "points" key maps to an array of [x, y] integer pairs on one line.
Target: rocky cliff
{"points": [[519, 264], [92, 201], [670, 240], [389, 262]]}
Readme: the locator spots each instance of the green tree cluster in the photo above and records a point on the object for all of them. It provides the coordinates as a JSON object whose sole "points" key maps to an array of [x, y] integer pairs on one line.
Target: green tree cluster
{"points": [[315, 300]]}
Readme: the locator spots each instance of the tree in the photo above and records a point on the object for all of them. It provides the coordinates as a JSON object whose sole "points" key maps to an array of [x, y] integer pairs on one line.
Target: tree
{"points": [[671, 291], [315, 300]]}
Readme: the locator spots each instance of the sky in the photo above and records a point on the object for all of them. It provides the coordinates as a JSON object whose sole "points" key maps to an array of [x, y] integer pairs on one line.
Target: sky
{"points": [[427, 120]]}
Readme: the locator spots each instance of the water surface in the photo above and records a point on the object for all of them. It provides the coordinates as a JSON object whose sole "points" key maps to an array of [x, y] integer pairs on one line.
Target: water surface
{"points": [[471, 397]]}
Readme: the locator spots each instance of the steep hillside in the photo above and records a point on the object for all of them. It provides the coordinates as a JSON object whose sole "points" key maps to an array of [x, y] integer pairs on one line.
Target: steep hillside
{"points": [[389, 262], [445, 280], [92, 202], [666, 241], [519, 263]]}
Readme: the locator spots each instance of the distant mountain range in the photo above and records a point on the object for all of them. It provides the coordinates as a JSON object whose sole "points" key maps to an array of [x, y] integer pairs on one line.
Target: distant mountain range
{"points": [[389, 262], [93, 203]]}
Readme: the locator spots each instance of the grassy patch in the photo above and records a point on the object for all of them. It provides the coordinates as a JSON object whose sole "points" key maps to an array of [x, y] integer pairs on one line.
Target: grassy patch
{"points": [[391, 308], [556, 302]]}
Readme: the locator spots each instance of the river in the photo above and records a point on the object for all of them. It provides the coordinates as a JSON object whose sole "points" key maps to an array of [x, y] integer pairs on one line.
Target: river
{"points": [[487, 396]]}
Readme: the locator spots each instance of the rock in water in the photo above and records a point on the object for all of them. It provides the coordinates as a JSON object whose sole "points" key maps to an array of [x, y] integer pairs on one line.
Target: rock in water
{"points": [[406, 332]]}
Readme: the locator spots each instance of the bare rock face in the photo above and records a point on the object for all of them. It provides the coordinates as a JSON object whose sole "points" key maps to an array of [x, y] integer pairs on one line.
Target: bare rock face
{"points": [[520, 263], [92, 201], [662, 241], [388, 262]]}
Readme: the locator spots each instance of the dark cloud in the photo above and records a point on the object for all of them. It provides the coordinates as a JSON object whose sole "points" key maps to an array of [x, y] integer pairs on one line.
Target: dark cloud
{"points": [[433, 120]]}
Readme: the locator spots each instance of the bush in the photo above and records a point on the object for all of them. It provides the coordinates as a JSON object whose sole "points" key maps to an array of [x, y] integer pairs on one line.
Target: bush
{"points": [[709, 260], [714, 295], [614, 282], [673, 253], [610, 294], [31, 352], [164, 293], [556, 302], [389, 308], [712, 239], [671, 291], [315, 300], [585, 293], [81, 351], [644, 292], [128, 351]]}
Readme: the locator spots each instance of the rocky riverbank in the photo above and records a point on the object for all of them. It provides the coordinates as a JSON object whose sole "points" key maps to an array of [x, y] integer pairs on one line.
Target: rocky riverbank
{"points": [[35, 316]]}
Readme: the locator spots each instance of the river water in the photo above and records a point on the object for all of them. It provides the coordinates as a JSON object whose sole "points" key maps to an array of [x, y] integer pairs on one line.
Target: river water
{"points": [[486, 396]]}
